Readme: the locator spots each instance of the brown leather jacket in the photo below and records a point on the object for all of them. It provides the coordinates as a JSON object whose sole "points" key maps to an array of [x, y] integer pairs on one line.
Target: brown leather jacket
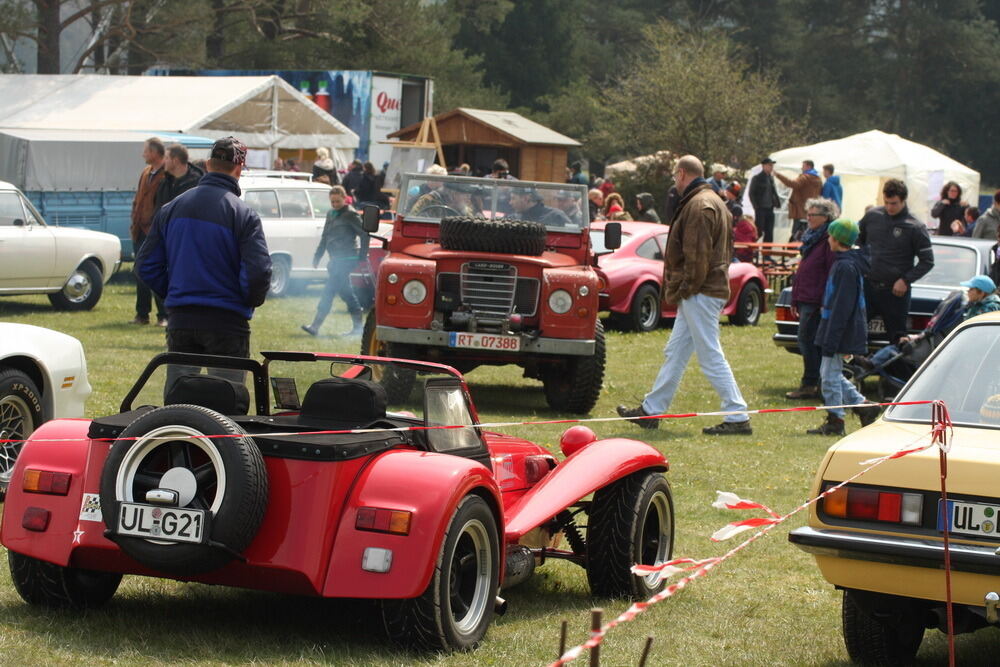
{"points": [[142, 205], [804, 187], [699, 247]]}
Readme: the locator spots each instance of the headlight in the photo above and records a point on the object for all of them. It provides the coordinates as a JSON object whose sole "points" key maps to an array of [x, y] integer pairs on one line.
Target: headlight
{"points": [[414, 291], [560, 301]]}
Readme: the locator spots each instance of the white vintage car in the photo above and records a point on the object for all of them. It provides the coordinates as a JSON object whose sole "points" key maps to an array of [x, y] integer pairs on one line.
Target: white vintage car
{"points": [[43, 375], [69, 264]]}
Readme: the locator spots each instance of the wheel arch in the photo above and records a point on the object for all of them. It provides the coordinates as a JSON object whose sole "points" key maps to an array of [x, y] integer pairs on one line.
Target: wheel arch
{"points": [[625, 305], [734, 300], [35, 370], [428, 485], [588, 469]]}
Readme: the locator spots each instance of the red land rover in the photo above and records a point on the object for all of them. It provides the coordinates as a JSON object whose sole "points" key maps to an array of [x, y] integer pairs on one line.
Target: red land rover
{"points": [[484, 271]]}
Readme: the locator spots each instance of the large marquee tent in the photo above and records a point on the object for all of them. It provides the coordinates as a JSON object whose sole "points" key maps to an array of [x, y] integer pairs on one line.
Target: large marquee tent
{"points": [[263, 111], [865, 161]]}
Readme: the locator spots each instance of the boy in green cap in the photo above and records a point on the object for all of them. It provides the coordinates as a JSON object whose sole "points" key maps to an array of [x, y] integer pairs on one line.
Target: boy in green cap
{"points": [[843, 328]]}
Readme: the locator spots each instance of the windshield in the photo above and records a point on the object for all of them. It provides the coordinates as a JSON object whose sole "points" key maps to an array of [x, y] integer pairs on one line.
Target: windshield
{"points": [[965, 375], [560, 207], [952, 265]]}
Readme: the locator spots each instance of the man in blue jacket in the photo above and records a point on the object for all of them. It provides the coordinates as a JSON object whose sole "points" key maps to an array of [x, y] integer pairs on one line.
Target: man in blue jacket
{"points": [[206, 255], [832, 189], [843, 328]]}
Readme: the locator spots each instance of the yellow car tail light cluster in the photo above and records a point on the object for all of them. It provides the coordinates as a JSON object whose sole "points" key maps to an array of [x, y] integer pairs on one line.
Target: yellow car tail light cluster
{"points": [[860, 504]]}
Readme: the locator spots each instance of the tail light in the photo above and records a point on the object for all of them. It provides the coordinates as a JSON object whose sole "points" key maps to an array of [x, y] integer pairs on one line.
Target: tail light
{"points": [[36, 519], [380, 520], [918, 322], [783, 314], [535, 468], [46, 481], [860, 504]]}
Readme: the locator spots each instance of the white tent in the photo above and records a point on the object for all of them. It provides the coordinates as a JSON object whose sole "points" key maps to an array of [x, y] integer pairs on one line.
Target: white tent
{"points": [[865, 161], [70, 160], [263, 111]]}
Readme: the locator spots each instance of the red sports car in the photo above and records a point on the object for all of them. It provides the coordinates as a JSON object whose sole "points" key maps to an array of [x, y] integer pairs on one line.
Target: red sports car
{"points": [[336, 494], [635, 273]]}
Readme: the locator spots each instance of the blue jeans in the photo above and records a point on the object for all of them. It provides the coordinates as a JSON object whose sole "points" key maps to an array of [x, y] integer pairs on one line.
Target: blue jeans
{"points": [[809, 319], [836, 389], [696, 329], [884, 355]]}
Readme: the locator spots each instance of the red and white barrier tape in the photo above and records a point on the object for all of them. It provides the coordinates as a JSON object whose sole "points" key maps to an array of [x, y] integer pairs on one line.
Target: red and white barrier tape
{"points": [[489, 425], [940, 428]]}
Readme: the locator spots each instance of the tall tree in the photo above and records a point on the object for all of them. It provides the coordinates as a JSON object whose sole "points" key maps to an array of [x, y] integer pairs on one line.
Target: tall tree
{"points": [[691, 92]]}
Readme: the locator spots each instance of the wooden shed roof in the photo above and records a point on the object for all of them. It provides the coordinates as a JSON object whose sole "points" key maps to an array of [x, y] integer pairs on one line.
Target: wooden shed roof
{"points": [[513, 125]]}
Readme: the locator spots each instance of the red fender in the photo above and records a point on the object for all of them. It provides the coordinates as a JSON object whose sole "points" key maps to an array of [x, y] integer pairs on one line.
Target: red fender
{"points": [[427, 484], [68, 454], [587, 470]]}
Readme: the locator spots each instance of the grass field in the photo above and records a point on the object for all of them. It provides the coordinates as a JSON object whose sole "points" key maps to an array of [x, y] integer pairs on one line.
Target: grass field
{"points": [[766, 606]]}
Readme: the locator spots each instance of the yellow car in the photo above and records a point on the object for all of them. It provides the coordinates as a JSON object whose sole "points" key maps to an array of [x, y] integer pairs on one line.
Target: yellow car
{"points": [[880, 539]]}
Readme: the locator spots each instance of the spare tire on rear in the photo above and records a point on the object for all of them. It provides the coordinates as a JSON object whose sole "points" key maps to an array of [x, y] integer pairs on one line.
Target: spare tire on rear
{"points": [[507, 236], [224, 476]]}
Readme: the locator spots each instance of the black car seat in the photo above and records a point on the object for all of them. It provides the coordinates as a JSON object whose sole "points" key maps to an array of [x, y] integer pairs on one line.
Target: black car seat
{"points": [[348, 402], [215, 393]]}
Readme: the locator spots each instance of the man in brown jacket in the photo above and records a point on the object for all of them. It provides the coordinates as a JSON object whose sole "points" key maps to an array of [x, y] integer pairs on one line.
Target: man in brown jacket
{"points": [[143, 208], [806, 186], [696, 278]]}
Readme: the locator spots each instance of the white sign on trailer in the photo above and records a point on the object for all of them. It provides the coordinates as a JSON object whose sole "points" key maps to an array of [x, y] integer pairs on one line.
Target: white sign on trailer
{"points": [[387, 96]]}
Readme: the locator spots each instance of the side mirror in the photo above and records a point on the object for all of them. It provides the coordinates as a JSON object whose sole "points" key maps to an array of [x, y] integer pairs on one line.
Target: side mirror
{"points": [[370, 214], [613, 235], [18, 222]]}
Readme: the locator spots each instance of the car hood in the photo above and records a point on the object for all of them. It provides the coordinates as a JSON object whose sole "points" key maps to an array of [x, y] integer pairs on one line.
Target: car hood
{"points": [[84, 236], [973, 460], [435, 252]]}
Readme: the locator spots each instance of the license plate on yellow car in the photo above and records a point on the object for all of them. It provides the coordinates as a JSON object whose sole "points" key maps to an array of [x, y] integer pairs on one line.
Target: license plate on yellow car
{"points": [[170, 524], [970, 518]]}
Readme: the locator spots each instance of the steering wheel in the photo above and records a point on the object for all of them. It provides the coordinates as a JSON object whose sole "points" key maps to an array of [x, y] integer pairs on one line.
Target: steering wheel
{"points": [[445, 211]]}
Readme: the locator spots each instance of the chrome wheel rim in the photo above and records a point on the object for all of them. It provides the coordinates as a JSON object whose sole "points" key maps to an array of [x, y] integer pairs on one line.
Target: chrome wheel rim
{"points": [[16, 423], [279, 277], [649, 312], [164, 449], [469, 576], [751, 310], [655, 541], [78, 288]]}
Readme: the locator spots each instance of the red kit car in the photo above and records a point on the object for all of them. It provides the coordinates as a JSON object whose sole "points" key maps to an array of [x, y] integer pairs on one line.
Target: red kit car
{"points": [[635, 273], [335, 495]]}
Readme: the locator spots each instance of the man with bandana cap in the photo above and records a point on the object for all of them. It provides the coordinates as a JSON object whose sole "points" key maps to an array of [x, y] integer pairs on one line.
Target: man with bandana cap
{"points": [[206, 255]]}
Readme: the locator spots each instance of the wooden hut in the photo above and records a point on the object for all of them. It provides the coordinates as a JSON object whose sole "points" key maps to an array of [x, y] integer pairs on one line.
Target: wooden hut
{"points": [[478, 137]]}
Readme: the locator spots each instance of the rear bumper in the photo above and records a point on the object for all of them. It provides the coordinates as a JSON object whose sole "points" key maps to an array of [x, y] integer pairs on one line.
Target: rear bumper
{"points": [[529, 344], [891, 550]]}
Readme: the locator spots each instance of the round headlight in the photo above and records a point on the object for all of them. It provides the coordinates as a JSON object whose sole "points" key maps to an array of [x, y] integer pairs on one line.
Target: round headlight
{"points": [[392, 278], [414, 291], [583, 290], [560, 301]]}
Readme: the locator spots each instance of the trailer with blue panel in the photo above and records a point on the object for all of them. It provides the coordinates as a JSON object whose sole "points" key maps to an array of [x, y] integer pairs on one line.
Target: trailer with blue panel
{"points": [[84, 178]]}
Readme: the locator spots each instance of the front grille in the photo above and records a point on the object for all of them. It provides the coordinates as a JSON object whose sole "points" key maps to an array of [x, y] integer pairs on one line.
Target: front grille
{"points": [[492, 288]]}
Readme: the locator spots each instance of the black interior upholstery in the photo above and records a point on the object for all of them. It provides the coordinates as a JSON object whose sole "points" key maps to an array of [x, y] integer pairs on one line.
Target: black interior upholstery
{"points": [[214, 393], [343, 401]]}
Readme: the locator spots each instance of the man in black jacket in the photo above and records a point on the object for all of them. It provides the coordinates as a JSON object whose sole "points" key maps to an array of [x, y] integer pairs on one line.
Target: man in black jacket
{"points": [[764, 199], [900, 252], [181, 176]]}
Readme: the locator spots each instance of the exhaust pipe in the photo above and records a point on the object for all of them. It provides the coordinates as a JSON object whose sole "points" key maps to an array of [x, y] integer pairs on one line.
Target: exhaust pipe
{"points": [[499, 606]]}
